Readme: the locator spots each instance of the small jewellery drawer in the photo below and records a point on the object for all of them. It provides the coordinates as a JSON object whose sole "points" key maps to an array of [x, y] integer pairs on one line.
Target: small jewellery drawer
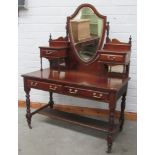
{"points": [[111, 57], [47, 52], [90, 94], [45, 86], [52, 53]]}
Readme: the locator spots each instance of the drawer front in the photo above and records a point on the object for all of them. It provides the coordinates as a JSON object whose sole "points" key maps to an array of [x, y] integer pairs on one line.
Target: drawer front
{"points": [[45, 86], [73, 91], [47, 53], [90, 94], [112, 58]]}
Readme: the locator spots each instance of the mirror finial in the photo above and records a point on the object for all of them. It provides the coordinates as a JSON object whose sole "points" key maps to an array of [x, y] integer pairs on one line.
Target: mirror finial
{"points": [[130, 40], [50, 37]]}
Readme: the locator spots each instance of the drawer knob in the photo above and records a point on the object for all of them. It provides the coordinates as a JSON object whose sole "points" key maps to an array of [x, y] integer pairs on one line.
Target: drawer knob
{"points": [[49, 52], [34, 84], [111, 57], [73, 91], [53, 87], [97, 96]]}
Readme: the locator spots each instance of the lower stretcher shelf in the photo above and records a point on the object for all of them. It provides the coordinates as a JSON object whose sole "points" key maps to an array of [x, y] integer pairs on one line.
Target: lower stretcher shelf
{"points": [[78, 120]]}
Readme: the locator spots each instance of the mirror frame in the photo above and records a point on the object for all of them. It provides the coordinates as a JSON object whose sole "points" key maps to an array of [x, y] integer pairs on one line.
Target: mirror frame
{"points": [[70, 36]]}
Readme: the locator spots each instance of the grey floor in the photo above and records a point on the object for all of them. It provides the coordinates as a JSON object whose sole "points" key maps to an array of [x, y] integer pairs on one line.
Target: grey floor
{"points": [[50, 137]]}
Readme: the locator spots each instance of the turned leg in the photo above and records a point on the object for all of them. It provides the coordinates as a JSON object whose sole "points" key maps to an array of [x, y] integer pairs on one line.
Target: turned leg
{"points": [[121, 119], [28, 110], [51, 102], [111, 126]]}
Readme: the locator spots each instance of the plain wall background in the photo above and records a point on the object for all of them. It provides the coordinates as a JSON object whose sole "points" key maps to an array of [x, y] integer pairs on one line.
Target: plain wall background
{"points": [[43, 17]]}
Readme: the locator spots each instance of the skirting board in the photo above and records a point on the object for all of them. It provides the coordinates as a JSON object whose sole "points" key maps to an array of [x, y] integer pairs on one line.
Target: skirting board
{"points": [[81, 110]]}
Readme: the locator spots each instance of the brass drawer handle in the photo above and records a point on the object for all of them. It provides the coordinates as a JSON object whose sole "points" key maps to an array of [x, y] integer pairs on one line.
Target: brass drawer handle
{"points": [[111, 57], [97, 96], [72, 91], [53, 87], [34, 84], [49, 52]]}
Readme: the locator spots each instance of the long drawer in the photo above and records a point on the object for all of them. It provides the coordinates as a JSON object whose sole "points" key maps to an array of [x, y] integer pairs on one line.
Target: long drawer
{"points": [[84, 93], [67, 90], [45, 86]]}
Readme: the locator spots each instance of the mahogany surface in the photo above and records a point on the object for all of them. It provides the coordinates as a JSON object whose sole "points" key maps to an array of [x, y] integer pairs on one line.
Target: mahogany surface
{"points": [[69, 75], [82, 79]]}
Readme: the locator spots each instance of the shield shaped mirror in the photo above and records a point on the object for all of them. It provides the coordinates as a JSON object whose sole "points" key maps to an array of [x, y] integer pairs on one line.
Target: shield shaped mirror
{"points": [[87, 29]]}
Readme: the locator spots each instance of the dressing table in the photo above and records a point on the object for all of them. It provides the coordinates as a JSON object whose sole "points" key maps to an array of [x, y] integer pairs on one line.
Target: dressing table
{"points": [[85, 64]]}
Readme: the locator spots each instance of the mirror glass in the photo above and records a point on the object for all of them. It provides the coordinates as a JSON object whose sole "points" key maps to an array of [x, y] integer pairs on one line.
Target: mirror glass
{"points": [[86, 31]]}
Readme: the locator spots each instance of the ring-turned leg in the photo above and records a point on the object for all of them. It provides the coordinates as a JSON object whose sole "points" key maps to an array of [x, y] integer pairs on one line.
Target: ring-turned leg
{"points": [[51, 102], [121, 119], [111, 126], [28, 110]]}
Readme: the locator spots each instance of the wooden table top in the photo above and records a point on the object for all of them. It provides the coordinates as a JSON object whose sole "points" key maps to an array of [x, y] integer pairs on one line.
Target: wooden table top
{"points": [[78, 78]]}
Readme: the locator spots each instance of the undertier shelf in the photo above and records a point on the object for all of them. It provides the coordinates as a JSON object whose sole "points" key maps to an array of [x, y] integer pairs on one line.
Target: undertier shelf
{"points": [[78, 120]]}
